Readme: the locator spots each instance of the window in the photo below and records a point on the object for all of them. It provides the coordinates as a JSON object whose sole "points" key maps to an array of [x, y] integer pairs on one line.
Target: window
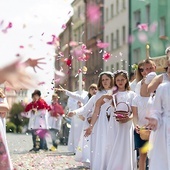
{"points": [[112, 11], [117, 66], [136, 55], [107, 40], [123, 64], [137, 18], [112, 41], [107, 14], [148, 14], [117, 39], [162, 26], [123, 4], [107, 68], [123, 35], [117, 6]]}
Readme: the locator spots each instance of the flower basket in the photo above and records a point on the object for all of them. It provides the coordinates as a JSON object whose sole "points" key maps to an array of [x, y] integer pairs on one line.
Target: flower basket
{"points": [[144, 134]]}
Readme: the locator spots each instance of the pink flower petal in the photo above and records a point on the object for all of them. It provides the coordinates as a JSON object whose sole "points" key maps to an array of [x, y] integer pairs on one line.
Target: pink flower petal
{"points": [[142, 37], [143, 27], [153, 27], [106, 56], [64, 26], [102, 45], [73, 43], [93, 13]]}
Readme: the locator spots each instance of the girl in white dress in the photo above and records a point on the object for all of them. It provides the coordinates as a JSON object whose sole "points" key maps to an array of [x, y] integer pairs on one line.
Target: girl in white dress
{"points": [[111, 136], [120, 132], [159, 120], [105, 83]]}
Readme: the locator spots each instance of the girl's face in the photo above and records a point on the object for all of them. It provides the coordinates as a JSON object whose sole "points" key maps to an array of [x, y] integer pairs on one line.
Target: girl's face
{"points": [[92, 91], [121, 82], [148, 68], [106, 82]]}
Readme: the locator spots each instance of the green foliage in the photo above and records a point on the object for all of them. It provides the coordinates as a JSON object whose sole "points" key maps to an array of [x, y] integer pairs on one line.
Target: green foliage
{"points": [[16, 118], [11, 127]]}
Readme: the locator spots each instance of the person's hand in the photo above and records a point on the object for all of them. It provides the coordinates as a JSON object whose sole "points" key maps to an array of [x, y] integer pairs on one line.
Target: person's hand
{"points": [[34, 110], [16, 76], [2, 114], [34, 63], [71, 114], [81, 117], [88, 131], [61, 89], [137, 129], [152, 124], [80, 104]]}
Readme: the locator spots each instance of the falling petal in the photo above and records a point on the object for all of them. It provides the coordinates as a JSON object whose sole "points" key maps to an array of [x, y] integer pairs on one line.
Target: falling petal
{"points": [[21, 46], [54, 41], [93, 13], [64, 26], [68, 61], [106, 56], [41, 83], [131, 39], [153, 27], [142, 37], [120, 53], [59, 77], [73, 43], [102, 45], [143, 27]]}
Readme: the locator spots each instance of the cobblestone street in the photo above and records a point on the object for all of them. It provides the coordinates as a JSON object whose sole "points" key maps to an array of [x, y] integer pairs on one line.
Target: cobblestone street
{"points": [[19, 146]]}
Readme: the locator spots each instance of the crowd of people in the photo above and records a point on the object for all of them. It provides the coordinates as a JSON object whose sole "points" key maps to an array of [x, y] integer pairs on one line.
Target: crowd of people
{"points": [[108, 121], [122, 118]]}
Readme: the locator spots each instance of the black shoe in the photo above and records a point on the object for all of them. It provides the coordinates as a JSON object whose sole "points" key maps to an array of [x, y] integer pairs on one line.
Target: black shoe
{"points": [[34, 150]]}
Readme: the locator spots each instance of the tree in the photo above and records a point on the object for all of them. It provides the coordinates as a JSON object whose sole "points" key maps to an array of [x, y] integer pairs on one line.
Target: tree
{"points": [[15, 116]]}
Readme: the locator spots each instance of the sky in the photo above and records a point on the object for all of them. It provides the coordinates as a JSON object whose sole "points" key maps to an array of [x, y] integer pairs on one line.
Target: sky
{"points": [[33, 24]]}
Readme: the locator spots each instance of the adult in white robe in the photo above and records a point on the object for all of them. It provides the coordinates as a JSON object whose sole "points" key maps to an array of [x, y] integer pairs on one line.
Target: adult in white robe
{"points": [[159, 120]]}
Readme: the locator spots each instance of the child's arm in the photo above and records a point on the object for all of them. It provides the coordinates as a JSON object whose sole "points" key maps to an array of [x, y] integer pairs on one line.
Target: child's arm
{"points": [[96, 113]]}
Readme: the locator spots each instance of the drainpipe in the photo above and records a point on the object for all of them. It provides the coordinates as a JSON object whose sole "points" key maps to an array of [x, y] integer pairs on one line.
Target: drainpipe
{"points": [[129, 44]]}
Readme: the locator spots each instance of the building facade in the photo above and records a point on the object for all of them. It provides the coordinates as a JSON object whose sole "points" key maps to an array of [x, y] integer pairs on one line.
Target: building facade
{"points": [[116, 26], [149, 26]]}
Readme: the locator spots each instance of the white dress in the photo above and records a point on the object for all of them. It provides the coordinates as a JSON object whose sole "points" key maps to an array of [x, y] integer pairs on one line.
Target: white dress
{"points": [[120, 139], [98, 136], [83, 149], [160, 155], [142, 104], [87, 145], [76, 122]]}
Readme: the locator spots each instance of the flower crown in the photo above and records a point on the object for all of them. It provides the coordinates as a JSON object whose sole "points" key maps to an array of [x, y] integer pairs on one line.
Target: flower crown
{"points": [[106, 72], [120, 71]]}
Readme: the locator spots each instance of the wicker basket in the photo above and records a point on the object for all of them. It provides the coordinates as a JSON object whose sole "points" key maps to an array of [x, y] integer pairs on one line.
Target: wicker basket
{"points": [[144, 134]]}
